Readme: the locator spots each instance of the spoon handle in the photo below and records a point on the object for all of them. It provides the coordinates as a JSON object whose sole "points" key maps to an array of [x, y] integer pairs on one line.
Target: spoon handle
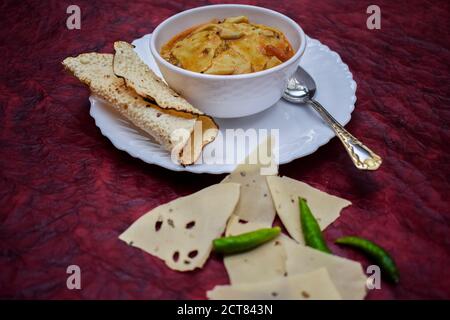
{"points": [[362, 156]]}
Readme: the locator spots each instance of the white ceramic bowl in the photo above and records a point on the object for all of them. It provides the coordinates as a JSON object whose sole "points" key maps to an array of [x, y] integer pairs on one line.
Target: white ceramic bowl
{"points": [[229, 96]]}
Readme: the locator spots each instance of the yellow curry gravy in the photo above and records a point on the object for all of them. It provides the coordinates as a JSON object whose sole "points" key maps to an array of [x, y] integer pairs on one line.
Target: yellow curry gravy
{"points": [[230, 46]]}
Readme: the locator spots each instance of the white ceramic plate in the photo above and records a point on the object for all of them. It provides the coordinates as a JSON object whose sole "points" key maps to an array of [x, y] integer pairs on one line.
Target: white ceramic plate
{"points": [[301, 130]]}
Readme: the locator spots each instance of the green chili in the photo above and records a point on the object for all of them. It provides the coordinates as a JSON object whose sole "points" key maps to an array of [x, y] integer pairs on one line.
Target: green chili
{"points": [[380, 256], [245, 241], [311, 230]]}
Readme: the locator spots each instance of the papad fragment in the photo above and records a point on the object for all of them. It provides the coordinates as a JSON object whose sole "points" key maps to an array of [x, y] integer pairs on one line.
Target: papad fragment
{"points": [[181, 232], [285, 193], [315, 285]]}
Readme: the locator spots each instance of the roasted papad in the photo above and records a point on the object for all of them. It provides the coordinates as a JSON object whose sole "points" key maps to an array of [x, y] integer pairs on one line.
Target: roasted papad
{"points": [[180, 129]]}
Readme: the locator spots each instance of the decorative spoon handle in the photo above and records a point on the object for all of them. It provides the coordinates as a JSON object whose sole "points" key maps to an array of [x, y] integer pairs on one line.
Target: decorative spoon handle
{"points": [[362, 156]]}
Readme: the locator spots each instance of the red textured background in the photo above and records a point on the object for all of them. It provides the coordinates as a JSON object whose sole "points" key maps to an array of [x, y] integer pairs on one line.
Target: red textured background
{"points": [[66, 193]]}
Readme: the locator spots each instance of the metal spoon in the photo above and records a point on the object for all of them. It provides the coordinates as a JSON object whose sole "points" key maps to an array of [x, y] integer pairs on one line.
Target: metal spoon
{"points": [[301, 89]]}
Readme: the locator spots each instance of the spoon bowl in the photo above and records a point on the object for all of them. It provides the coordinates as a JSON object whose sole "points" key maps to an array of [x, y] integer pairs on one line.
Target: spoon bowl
{"points": [[301, 87]]}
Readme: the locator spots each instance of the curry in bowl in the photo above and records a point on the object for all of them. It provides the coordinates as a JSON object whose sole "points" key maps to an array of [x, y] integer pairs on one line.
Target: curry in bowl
{"points": [[229, 46]]}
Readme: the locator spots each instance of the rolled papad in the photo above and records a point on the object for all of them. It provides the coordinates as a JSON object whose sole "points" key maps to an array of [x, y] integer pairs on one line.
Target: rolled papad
{"points": [[173, 129], [138, 76]]}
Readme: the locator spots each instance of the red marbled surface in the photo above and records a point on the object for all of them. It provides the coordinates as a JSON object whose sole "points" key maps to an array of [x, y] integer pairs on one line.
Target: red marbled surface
{"points": [[66, 193]]}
